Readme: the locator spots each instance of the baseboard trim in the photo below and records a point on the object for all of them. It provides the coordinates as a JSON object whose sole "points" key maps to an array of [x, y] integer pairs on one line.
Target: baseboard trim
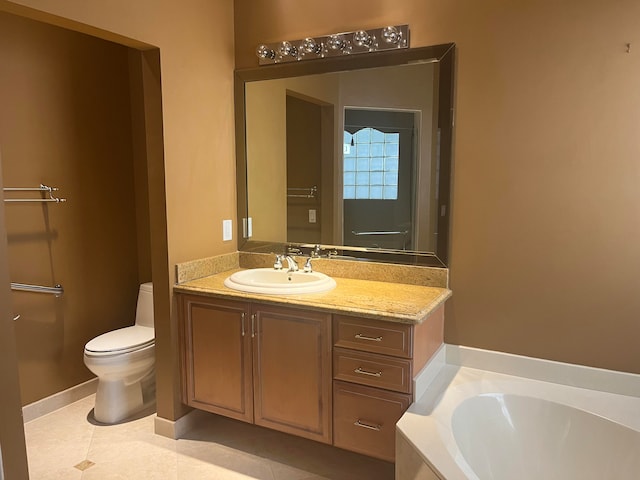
{"points": [[59, 400], [429, 372], [176, 429], [582, 376]]}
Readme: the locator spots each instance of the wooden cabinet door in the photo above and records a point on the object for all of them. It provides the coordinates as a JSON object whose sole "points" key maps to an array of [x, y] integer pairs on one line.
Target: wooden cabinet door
{"points": [[217, 356], [292, 371]]}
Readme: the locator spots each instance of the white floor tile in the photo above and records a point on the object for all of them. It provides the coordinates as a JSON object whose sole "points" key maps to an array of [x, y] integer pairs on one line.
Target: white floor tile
{"points": [[219, 448]]}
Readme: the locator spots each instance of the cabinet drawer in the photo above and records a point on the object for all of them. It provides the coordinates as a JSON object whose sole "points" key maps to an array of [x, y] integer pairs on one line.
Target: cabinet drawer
{"points": [[365, 419], [372, 369], [374, 336]]}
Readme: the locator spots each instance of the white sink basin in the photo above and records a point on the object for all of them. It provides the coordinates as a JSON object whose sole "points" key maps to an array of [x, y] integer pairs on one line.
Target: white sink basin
{"points": [[279, 282]]}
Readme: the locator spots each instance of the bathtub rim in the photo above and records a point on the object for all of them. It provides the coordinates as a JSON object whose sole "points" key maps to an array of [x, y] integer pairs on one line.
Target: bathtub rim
{"points": [[431, 384]]}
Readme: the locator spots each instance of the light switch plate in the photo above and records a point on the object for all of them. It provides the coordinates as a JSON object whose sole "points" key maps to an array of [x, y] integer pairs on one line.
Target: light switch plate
{"points": [[312, 216], [227, 227]]}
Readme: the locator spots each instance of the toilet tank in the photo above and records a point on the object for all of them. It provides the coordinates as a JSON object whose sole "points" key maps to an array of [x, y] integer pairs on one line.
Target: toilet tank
{"points": [[144, 311]]}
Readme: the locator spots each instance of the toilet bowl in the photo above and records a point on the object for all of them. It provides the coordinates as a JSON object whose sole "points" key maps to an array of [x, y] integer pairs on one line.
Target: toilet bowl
{"points": [[123, 360]]}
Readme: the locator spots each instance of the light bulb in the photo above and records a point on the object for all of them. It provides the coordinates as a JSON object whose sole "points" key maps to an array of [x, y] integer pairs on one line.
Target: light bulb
{"points": [[336, 42], [391, 35], [309, 45], [362, 38], [265, 52], [287, 49]]}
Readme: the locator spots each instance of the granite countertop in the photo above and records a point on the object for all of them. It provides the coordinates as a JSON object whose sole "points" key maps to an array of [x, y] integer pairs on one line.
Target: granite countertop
{"points": [[396, 302]]}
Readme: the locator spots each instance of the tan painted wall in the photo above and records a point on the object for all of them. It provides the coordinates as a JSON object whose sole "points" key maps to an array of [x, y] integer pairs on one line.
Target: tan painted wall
{"points": [[545, 256], [65, 122], [196, 55], [196, 49]]}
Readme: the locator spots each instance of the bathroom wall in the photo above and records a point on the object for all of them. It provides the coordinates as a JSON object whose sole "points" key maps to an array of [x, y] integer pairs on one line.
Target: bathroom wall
{"points": [[543, 259], [545, 256], [66, 122], [192, 176]]}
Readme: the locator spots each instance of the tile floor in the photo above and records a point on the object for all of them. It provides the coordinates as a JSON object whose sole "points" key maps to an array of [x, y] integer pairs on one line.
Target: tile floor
{"points": [[69, 445]]}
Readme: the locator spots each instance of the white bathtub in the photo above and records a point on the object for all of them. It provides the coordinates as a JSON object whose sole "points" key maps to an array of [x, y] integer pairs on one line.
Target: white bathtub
{"points": [[480, 424]]}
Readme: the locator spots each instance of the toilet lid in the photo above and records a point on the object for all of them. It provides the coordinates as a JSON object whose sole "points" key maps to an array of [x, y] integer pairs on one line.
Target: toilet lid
{"points": [[122, 340]]}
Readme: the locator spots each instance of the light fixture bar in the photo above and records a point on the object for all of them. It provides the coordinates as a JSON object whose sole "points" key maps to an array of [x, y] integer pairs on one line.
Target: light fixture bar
{"points": [[346, 43]]}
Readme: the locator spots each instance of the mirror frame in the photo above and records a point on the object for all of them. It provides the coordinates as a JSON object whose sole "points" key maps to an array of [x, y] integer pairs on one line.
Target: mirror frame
{"points": [[444, 56]]}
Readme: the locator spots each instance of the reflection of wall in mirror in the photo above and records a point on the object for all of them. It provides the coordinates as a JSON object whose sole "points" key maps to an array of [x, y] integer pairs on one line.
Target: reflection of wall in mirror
{"points": [[411, 87], [310, 165], [266, 148], [266, 175]]}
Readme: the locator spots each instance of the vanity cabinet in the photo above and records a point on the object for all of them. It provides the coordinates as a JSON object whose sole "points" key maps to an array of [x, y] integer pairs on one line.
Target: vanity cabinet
{"points": [[269, 365], [338, 379], [374, 363]]}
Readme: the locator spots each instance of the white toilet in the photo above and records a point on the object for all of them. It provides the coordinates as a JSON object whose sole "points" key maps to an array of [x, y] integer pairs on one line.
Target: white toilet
{"points": [[123, 360]]}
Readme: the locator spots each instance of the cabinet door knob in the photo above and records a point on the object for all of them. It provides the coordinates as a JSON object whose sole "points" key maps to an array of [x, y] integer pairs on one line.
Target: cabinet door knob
{"points": [[242, 315]]}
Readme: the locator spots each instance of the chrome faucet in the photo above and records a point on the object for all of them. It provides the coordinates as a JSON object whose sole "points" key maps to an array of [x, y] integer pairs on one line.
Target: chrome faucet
{"points": [[291, 263]]}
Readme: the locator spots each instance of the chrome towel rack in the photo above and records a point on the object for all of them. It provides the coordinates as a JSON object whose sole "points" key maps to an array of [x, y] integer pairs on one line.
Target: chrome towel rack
{"points": [[42, 188], [381, 232], [309, 192], [25, 287]]}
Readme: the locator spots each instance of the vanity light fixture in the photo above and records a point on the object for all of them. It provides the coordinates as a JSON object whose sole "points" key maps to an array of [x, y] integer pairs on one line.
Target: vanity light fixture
{"points": [[336, 44]]}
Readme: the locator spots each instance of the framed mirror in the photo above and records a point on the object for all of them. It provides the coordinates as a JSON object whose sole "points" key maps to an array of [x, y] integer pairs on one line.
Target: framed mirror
{"points": [[351, 153]]}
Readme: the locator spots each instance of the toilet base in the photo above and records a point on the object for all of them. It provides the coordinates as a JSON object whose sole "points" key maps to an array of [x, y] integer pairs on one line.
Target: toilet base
{"points": [[117, 400]]}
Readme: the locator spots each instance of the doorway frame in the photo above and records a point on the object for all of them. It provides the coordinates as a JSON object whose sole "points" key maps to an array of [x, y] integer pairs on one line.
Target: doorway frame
{"points": [[13, 450], [145, 59]]}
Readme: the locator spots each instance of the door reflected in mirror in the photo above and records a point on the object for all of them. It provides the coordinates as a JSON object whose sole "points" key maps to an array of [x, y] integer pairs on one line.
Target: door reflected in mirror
{"points": [[347, 158], [379, 169]]}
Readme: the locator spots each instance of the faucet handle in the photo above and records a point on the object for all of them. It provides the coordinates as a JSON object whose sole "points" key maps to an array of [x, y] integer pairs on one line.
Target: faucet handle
{"points": [[278, 263], [307, 266]]}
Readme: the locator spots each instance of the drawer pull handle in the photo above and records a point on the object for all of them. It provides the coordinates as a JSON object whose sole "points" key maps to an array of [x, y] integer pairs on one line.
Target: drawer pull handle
{"points": [[359, 423], [359, 336], [242, 315], [364, 372]]}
